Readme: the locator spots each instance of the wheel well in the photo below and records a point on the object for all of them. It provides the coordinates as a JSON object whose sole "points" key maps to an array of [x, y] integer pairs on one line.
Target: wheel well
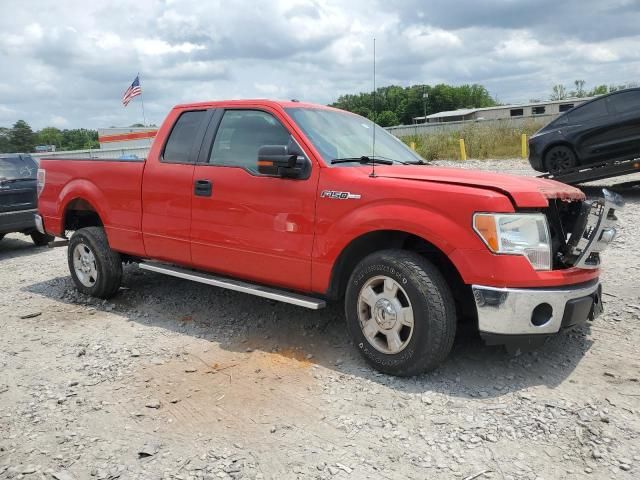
{"points": [[80, 214], [372, 242]]}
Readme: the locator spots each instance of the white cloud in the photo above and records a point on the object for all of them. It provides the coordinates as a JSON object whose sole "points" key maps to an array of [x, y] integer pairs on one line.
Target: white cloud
{"points": [[58, 121], [521, 45], [69, 62], [155, 46]]}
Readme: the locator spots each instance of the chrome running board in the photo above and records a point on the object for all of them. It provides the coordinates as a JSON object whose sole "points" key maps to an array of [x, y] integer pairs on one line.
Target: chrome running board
{"points": [[236, 285]]}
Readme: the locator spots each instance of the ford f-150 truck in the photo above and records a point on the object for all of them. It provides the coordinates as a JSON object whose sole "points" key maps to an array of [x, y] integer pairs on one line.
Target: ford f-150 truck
{"points": [[295, 202]]}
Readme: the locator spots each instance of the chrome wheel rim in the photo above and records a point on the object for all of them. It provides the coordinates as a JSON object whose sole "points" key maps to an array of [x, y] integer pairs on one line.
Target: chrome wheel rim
{"points": [[385, 314], [84, 264]]}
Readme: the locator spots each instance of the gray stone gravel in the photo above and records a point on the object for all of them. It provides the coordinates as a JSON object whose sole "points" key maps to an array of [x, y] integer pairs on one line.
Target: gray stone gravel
{"points": [[173, 380]]}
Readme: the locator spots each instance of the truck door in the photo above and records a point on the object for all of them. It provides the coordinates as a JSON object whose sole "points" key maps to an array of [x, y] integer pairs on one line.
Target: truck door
{"points": [[167, 188], [245, 224]]}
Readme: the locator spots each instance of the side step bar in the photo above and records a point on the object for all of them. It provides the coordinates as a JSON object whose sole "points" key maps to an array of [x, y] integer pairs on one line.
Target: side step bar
{"points": [[237, 285]]}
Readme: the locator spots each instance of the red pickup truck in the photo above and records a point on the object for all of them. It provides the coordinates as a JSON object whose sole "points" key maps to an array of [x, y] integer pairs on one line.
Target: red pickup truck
{"points": [[286, 200]]}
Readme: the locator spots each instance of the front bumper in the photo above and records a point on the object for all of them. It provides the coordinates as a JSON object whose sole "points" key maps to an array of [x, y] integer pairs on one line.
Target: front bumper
{"points": [[19, 221], [533, 311]]}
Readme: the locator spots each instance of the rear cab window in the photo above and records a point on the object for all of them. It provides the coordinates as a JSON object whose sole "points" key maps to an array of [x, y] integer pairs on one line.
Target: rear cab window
{"points": [[183, 137], [18, 167]]}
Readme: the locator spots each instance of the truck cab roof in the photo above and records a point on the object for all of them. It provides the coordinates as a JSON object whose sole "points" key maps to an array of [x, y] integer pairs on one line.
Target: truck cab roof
{"points": [[250, 102]]}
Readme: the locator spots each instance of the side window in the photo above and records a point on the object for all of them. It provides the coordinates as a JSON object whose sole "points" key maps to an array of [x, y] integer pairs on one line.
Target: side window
{"points": [[589, 111], [180, 142], [625, 102], [241, 134]]}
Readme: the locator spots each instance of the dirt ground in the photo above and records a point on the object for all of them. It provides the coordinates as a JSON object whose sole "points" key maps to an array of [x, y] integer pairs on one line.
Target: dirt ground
{"points": [[173, 379]]}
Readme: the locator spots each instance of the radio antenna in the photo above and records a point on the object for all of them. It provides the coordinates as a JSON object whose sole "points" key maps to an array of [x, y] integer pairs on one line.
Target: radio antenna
{"points": [[373, 146]]}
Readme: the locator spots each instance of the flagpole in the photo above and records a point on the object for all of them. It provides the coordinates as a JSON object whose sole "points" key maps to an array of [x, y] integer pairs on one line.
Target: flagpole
{"points": [[144, 119]]}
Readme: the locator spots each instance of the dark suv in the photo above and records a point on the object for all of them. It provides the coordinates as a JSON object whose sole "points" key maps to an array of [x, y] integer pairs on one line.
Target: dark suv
{"points": [[604, 129], [18, 197]]}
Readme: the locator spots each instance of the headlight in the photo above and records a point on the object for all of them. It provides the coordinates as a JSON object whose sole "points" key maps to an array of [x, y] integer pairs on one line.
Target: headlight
{"points": [[516, 234]]}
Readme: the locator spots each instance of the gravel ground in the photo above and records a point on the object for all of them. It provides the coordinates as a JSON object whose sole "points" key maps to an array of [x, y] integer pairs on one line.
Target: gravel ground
{"points": [[172, 379]]}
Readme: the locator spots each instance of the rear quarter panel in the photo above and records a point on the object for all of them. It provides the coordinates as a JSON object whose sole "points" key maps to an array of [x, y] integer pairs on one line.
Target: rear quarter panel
{"points": [[112, 188]]}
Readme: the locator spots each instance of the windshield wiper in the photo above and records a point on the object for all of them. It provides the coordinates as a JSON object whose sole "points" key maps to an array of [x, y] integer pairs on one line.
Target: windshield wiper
{"points": [[364, 160], [13, 180]]}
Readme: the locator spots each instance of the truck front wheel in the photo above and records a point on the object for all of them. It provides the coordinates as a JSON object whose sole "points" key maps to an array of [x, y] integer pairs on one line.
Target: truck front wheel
{"points": [[400, 312], [95, 268]]}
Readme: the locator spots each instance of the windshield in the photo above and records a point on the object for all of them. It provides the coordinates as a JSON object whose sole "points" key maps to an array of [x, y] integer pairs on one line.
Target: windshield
{"points": [[337, 134], [12, 168]]}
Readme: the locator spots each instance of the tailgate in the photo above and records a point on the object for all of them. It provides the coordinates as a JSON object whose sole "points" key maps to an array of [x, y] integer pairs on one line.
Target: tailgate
{"points": [[18, 196]]}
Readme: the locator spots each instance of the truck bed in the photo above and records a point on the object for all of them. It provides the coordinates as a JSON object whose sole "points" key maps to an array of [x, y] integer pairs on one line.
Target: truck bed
{"points": [[116, 184]]}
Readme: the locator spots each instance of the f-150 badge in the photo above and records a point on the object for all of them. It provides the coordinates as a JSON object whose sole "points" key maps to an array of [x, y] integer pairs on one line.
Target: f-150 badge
{"points": [[339, 195]]}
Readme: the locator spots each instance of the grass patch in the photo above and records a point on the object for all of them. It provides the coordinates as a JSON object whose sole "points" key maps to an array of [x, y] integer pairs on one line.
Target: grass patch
{"points": [[499, 140]]}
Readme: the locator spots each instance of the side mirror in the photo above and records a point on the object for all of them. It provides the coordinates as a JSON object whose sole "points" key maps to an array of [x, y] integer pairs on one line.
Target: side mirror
{"points": [[283, 161]]}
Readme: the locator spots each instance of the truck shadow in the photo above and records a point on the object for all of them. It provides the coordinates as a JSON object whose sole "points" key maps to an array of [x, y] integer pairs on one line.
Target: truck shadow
{"points": [[241, 323], [13, 246]]}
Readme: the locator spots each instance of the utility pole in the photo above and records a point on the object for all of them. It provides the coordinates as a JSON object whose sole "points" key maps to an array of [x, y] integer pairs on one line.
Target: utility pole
{"points": [[425, 95]]}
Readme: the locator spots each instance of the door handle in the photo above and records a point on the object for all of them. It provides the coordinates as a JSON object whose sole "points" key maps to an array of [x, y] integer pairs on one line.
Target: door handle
{"points": [[202, 188]]}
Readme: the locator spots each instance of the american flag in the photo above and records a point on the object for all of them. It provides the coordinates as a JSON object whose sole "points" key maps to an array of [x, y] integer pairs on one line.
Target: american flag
{"points": [[133, 91]]}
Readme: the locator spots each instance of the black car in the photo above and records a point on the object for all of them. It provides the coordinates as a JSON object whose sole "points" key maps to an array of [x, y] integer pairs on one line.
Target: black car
{"points": [[18, 197], [604, 129]]}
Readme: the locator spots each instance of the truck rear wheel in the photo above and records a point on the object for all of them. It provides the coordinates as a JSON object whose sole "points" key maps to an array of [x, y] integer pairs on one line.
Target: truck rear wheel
{"points": [[400, 312], [95, 268]]}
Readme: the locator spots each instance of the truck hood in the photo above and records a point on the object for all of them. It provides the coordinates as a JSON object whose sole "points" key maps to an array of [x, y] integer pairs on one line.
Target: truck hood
{"points": [[525, 192]]}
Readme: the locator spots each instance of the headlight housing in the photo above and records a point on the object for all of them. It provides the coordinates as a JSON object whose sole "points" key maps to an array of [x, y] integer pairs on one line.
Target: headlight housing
{"points": [[524, 234]]}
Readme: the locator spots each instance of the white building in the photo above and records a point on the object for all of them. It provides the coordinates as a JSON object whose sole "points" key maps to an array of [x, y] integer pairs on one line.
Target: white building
{"points": [[501, 112], [126, 137]]}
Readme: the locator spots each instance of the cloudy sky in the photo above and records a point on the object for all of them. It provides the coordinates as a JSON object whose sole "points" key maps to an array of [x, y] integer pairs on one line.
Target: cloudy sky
{"points": [[66, 63]]}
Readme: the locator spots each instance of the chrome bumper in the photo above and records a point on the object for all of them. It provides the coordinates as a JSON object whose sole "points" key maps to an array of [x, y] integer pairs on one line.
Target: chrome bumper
{"points": [[527, 311], [39, 224]]}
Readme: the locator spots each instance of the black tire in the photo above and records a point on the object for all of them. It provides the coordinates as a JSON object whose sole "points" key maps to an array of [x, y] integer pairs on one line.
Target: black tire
{"points": [[434, 312], [107, 263], [2, 236], [559, 159], [40, 239]]}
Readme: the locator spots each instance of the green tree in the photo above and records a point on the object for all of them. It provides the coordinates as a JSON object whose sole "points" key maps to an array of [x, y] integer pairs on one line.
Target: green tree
{"points": [[579, 92], [598, 90], [558, 92], [406, 103], [49, 136], [5, 140], [79, 139], [22, 137], [387, 119]]}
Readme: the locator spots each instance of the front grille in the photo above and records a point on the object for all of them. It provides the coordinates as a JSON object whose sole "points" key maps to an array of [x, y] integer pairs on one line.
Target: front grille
{"points": [[562, 218], [577, 229]]}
